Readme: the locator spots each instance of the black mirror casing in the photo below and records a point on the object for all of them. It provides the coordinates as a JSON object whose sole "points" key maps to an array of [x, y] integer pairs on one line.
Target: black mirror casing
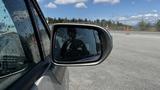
{"points": [[105, 43]]}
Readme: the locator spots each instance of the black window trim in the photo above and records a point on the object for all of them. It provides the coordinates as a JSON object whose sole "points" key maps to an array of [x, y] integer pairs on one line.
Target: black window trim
{"points": [[35, 28], [10, 74], [43, 21], [42, 18]]}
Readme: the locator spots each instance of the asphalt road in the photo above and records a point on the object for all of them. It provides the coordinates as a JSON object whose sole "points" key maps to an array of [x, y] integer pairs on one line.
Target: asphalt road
{"points": [[134, 64]]}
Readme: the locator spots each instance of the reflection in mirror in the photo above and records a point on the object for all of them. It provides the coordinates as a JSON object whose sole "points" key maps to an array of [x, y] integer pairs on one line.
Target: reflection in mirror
{"points": [[76, 44]]}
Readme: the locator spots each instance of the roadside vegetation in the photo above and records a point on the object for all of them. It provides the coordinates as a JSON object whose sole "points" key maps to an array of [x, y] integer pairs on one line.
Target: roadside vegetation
{"points": [[145, 26], [112, 25]]}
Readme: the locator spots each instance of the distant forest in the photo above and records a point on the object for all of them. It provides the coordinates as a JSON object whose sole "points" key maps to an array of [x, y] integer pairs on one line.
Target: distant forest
{"points": [[110, 24], [146, 26], [103, 23]]}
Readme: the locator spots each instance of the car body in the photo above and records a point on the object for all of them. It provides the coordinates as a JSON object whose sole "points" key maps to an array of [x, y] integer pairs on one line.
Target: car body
{"points": [[26, 60]]}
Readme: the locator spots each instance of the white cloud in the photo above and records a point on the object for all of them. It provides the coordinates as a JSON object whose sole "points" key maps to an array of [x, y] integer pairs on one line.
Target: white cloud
{"points": [[81, 5], [151, 15], [50, 5], [122, 18], [145, 16], [136, 17], [132, 20], [107, 1], [68, 1]]}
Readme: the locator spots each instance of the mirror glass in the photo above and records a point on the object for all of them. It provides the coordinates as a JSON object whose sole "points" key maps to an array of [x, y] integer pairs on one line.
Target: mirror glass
{"points": [[76, 44]]}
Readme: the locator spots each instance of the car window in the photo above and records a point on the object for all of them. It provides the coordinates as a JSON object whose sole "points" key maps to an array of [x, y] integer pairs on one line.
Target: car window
{"points": [[18, 45], [42, 32], [22, 22], [11, 52]]}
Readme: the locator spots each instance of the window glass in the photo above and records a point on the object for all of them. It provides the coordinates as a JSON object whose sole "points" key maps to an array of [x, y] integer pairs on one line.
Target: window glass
{"points": [[18, 45], [12, 57], [22, 22], [42, 31]]}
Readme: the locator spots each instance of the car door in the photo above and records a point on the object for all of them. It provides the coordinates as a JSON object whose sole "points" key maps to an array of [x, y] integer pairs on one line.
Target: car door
{"points": [[20, 54], [24, 59], [56, 77]]}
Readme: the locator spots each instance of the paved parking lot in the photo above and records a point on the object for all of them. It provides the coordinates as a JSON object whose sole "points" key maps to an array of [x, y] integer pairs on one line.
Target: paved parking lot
{"points": [[134, 64]]}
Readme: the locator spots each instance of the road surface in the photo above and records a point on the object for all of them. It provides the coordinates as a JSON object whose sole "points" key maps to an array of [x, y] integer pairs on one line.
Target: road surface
{"points": [[134, 64]]}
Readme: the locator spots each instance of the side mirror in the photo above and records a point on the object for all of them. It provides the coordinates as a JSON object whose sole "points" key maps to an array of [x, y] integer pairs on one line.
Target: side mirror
{"points": [[79, 44]]}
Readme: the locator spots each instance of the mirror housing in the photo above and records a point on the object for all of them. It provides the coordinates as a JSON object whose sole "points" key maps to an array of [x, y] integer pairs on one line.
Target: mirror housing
{"points": [[105, 44]]}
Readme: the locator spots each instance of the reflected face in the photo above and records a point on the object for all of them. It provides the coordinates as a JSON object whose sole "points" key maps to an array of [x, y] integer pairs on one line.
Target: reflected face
{"points": [[71, 33]]}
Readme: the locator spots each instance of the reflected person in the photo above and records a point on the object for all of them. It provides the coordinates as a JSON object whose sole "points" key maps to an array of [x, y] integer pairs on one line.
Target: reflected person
{"points": [[73, 48]]}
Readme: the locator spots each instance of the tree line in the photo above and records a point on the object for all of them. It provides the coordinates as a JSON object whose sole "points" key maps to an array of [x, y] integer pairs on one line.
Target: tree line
{"points": [[110, 24], [113, 25], [146, 26]]}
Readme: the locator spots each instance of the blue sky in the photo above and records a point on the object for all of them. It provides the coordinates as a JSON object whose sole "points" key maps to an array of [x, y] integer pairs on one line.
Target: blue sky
{"points": [[125, 11]]}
